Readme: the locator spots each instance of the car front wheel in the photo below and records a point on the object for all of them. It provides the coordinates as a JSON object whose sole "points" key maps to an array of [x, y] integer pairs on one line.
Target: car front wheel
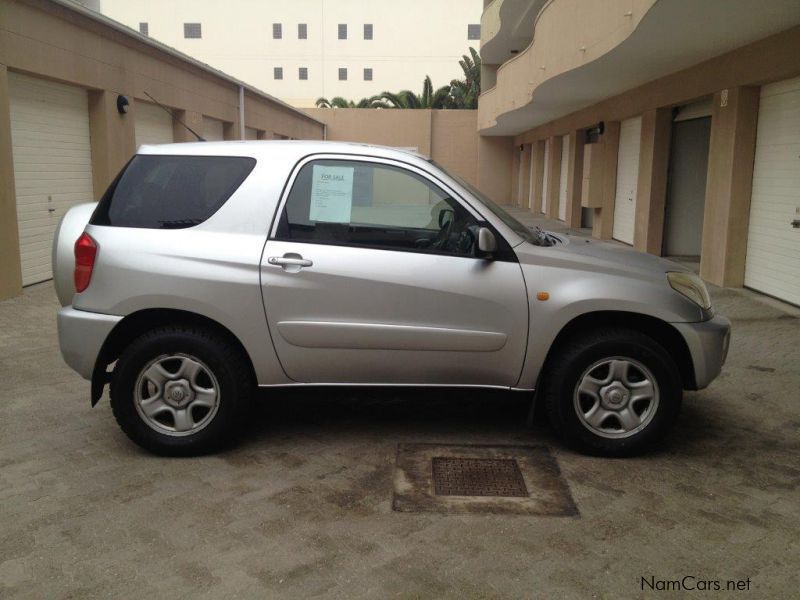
{"points": [[180, 391], [612, 392]]}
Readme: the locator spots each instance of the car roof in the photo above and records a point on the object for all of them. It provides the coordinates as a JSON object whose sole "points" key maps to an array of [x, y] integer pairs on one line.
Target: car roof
{"points": [[262, 149]]}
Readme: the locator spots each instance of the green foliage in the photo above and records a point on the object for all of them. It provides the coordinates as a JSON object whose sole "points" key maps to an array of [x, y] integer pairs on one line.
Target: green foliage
{"points": [[459, 94], [339, 102]]}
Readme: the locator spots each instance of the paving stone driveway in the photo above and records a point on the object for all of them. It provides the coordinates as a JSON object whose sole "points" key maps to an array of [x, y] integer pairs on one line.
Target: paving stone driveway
{"points": [[302, 507]]}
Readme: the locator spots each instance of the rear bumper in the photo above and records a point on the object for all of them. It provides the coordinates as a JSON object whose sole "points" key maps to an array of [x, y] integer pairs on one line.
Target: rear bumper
{"points": [[81, 335], [708, 343]]}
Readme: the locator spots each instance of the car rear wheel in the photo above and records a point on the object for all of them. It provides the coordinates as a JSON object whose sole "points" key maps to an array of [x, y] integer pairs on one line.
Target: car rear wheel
{"points": [[613, 392], [181, 391]]}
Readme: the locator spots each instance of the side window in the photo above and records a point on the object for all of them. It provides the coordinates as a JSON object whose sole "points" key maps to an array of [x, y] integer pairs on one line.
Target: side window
{"points": [[377, 206], [170, 192]]}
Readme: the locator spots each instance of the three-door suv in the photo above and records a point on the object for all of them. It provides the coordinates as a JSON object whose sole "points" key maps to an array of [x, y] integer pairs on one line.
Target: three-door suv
{"points": [[208, 269]]}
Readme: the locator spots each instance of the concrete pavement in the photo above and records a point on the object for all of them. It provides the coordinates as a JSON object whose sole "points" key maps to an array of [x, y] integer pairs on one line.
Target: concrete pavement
{"points": [[302, 507]]}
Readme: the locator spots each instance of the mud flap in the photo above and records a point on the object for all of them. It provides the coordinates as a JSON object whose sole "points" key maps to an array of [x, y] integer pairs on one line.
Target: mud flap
{"points": [[100, 378]]}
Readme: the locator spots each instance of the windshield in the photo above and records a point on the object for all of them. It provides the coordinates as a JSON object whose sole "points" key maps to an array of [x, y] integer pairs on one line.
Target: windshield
{"points": [[521, 230]]}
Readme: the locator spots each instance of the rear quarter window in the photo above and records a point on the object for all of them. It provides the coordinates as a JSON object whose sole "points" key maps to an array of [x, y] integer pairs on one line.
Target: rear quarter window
{"points": [[171, 192]]}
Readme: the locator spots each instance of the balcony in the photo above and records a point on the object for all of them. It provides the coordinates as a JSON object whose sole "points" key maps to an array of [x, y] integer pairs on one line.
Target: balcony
{"points": [[584, 51], [507, 28]]}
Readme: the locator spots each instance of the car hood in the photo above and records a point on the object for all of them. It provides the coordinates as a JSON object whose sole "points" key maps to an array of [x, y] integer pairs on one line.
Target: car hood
{"points": [[596, 256]]}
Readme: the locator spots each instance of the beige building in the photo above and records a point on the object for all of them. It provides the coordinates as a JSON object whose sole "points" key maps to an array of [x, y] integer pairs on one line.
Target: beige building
{"points": [[301, 50], [669, 125], [76, 92], [449, 137]]}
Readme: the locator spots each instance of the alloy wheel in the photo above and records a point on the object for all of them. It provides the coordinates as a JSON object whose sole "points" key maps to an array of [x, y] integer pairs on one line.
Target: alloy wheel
{"points": [[176, 394], [616, 397]]}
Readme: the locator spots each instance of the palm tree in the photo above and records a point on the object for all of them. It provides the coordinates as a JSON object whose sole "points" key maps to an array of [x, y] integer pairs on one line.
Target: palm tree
{"points": [[465, 92], [428, 98], [339, 102], [461, 93]]}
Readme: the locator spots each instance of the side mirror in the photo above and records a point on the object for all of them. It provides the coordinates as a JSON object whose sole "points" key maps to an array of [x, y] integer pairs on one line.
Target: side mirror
{"points": [[487, 243]]}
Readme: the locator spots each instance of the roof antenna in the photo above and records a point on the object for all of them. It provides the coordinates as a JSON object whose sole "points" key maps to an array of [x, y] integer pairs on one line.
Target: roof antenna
{"points": [[192, 131]]}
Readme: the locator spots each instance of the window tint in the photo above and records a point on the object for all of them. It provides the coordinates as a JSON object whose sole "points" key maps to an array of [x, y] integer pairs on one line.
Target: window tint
{"points": [[379, 206], [171, 192]]}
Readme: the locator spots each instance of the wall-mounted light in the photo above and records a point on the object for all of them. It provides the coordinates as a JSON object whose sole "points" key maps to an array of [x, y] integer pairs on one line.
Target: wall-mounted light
{"points": [[122, 104], [593, 133]]}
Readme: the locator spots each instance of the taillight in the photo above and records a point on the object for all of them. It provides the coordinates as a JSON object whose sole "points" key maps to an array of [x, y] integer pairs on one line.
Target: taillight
{"points": [[85, 253]]}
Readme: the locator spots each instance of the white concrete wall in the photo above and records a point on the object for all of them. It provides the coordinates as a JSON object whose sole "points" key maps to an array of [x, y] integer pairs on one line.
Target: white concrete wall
{"points": [[411, 39]]}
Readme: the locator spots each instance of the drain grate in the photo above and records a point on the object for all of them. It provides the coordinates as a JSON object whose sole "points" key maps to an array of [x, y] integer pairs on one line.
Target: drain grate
{"points": [[477, 477]]}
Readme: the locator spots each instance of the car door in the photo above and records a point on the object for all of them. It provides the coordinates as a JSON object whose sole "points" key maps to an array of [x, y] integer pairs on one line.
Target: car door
{"points": [[370, 275]]}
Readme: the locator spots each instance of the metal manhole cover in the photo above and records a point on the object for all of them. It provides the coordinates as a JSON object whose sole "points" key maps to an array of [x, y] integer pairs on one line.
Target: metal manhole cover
{"points": [[477, 477]]}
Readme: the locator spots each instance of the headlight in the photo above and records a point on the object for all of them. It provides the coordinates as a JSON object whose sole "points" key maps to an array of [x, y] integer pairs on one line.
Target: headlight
{"points": [[691, 286]]}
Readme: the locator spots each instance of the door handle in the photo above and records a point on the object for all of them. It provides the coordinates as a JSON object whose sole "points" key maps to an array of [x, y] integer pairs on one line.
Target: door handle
{"points": [[288, 261]]}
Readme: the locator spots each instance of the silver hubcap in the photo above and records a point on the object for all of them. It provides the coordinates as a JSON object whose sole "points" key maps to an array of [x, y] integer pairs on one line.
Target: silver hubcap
{"points": [[616, 397], [176, 394]]}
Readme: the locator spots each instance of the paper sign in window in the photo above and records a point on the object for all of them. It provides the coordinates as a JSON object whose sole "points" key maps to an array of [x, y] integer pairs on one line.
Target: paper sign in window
{"points": [[331, 194]]}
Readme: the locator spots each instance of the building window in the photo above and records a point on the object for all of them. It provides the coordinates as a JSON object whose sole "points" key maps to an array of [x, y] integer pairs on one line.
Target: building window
{"points": [[303, 73], [277, 31], [474, 31], [367, 74], [302, 31], [277, 72], [367, 31], [342, 31], [144, 28], [342, 74], [192, 30]]}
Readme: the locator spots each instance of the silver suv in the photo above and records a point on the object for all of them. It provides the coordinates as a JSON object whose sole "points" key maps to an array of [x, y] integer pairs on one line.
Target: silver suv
{"points": [[208, 269]]}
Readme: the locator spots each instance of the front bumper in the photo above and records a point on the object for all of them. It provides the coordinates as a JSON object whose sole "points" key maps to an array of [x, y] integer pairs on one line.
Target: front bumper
{"points": [[81, 335], [708, 343]]}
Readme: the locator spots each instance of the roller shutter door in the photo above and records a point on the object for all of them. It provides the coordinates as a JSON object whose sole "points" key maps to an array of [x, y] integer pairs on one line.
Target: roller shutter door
{"points": [[213, 129], [52, 163], [250, 133], [773, 243], [562, 184], [630, 135], [153, 125]]}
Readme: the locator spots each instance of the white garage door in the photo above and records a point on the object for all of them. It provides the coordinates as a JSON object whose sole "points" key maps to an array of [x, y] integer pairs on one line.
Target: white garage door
{"points": [[562, 184], [532, 180], [213, 129], [773, 244], [52, 163], [627, 179], [153, 124], [545, 178]]}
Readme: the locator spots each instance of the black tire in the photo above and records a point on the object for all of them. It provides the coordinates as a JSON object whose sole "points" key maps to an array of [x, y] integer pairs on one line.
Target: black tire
{"points": [[222, 358], [566, 368]]}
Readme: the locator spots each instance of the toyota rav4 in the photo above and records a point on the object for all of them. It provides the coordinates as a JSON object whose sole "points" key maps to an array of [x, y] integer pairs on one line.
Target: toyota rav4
{"points": [[210, 269]]}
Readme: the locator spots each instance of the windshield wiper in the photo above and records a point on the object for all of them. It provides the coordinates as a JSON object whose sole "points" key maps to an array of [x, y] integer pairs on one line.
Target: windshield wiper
{"points": [[179, 223], [543, 238]]}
